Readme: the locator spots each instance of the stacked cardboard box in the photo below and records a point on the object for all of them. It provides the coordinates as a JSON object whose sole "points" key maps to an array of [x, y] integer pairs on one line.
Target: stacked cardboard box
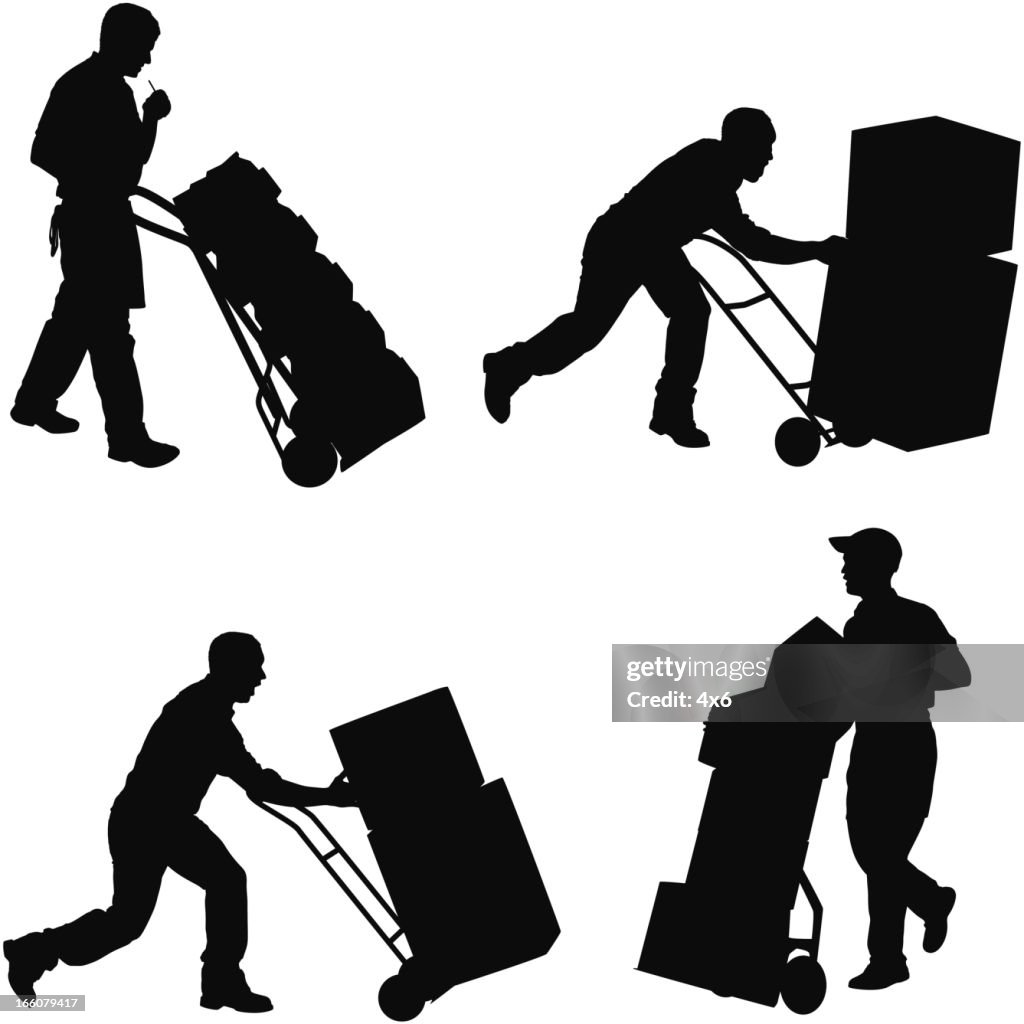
{"points": [[352, 388], [451, 850], [914, 318]]}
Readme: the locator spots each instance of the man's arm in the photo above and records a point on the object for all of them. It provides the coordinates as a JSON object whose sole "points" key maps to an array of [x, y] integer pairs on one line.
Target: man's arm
{"points": [[757, 243], [156, 107], [267, 786], [950, 670], [57, 137], [275, 790]]}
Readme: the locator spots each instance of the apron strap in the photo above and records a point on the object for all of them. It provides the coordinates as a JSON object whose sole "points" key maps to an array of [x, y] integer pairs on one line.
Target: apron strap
{"points": [[55, 230]]}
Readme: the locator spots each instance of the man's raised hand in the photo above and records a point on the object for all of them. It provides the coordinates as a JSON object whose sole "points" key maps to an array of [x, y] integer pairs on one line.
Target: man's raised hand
{"points": [[157, 106]]}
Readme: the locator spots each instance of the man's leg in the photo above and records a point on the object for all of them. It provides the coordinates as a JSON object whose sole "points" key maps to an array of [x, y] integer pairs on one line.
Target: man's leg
{"points": [[112, 353], [930, 902], [673, 285], [203, 859], [881, 843], [138, 869], [607, 282], [56, 360]]}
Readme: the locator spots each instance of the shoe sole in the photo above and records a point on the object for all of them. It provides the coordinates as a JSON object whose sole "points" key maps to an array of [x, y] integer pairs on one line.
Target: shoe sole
{"points": [[48, 430], [8, 950], [214, 1004], [507, 405], [878, 988], [681, 444], [144, 465], [929, 948]]}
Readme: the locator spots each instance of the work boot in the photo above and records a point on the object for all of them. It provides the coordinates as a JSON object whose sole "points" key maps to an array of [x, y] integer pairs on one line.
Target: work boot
{"points": [[143, 451], [675, 420], [28, 958], [504, 379], [229, 988], [936, 923], [51, 421], [879, 974]]}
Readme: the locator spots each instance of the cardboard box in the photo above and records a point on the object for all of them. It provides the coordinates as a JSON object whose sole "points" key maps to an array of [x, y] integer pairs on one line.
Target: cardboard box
{"points": [[932, 182]]}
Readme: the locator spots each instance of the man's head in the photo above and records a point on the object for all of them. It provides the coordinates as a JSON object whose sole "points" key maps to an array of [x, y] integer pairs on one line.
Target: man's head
{"points": [[748, 135], [236, 665], [127, 37], [870, 557]]}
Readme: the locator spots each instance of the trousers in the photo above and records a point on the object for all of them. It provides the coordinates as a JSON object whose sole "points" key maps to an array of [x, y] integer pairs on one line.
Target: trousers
{"points": [[892, 768], [141, 851], [616, 264], [102, 268]]}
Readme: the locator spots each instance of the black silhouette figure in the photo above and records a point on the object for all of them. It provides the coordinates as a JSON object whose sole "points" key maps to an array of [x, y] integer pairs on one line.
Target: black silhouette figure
{"points": [[892, 764], [153, 827], [467, 895], [91, 139], [635, 244], [919, 324], [726, 928]]}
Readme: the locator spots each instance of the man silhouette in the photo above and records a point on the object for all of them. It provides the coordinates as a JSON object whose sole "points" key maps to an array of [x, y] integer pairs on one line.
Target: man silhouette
{"points": [[90, 138], [153, 826], [637, 243], [892, 763]]}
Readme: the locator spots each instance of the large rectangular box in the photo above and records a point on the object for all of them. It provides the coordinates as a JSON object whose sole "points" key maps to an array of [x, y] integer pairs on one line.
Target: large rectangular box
{"points": [[932, 182], [466, 888], [703, 936], [408, 761], [909, 351], [754, 831]]}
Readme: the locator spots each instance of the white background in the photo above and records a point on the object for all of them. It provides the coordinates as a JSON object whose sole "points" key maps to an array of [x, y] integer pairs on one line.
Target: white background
{"points": [[452, 158]]}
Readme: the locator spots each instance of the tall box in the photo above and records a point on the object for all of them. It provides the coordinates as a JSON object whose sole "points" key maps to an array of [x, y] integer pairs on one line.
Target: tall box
{"points": [[932, 182], [466, 888]]}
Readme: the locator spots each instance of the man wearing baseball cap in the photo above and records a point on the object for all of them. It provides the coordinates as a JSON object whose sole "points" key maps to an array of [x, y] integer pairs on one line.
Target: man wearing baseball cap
{"points": [[892, 763]]}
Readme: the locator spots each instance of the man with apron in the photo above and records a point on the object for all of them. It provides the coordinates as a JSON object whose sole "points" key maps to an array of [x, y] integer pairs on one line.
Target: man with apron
{"points": [[893, 759], [91, 139]]}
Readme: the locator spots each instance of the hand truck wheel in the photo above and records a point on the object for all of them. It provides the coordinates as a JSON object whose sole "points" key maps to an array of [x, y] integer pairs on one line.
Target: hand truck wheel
{"points": [[399, 999], [849, 432], [308, 461], [797, 441], [305, 421], [803, 984]]}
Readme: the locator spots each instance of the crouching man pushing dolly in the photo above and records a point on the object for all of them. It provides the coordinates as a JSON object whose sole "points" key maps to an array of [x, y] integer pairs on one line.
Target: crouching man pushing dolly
{"points": [[637, 244], [153, 826]]}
